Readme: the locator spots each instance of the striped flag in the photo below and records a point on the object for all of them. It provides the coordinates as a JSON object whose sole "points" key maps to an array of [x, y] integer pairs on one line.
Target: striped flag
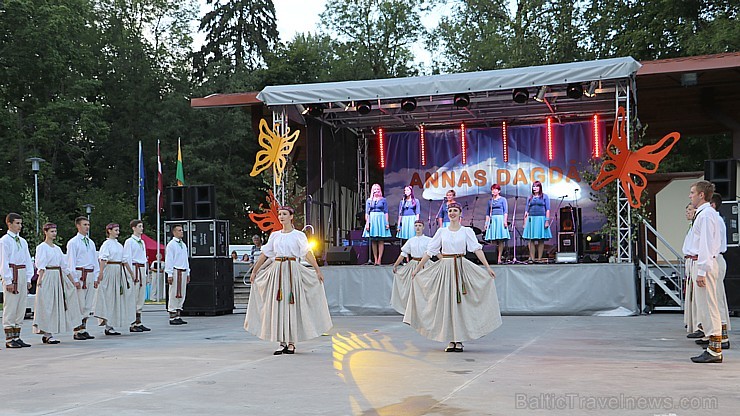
{"points": [[179, 175], [142, 177], [160, 182]]}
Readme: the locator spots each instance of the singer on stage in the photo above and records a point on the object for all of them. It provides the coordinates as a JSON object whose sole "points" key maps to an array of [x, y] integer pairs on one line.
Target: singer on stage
{"points": [[497, 219], [537, 221], [443, 219], [408, 212], [376, 222]]}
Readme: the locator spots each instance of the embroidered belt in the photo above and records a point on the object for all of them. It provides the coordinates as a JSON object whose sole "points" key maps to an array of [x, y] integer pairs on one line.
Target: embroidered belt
{"points": [[85, 272], [16, 268], [61, 279], [279, 297], [459, 281], [137, 273], [416, 258], [178, 295]]}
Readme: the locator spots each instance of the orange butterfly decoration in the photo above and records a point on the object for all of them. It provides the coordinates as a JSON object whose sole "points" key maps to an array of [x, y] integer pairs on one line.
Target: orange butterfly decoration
{"points": [[630, 167], [275, 150], [267, 220]]}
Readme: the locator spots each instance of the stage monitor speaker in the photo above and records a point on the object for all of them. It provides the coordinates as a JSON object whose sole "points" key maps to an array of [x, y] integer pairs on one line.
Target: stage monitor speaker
{"points": [[341, 255], [177, 203], [211, 287], [594, 243], [730, 212], [203, 199], [567, 243], [724, 175], [490, 251], [570, 219], [209, 238]]}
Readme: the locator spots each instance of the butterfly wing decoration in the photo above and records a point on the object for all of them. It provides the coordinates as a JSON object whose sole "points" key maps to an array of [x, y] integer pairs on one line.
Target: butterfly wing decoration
{"points": [[267, 220], [275, 150], [630, 167]]}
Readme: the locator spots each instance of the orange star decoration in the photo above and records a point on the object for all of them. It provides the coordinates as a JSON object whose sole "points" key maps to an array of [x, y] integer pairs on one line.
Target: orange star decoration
{"points": [[630, 167], [275, 151], [267, 220]]}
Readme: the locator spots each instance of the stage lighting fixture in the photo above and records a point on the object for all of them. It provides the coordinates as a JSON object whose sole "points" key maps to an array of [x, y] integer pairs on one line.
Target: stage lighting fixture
{"points": [[574, 91], [364, 107], [461, 100], [591, 91], [315, 110], [408, 104], [520, 95], [540, 97]]}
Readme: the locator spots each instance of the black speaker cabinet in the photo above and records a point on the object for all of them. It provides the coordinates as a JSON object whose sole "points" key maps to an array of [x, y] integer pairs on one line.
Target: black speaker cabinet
{"points": [[490, 251], [211, 287], [185, 232], [567, 243], [203, 200], [723, 174], [177, 203], [341, 255], [570, 220], [209, 238], [730, 212]]}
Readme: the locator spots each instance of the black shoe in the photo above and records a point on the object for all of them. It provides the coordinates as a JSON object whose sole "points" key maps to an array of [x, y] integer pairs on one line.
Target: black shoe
{"points": [[458, 347], [289, 350], [181, 322], [175, 322], [450, 348], [706, 357], [144, 329], [87, 335], [49, 340], [281, 350], [696, 334], [12, 344], [21, 343], [80, 336], [111, 332], [705, 343], [135, 329]]}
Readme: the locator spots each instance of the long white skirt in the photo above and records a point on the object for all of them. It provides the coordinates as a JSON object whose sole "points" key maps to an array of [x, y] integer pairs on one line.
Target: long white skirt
{"points": [[433, 308], [115, 304], [276, 320], [57, 307], [402, 286], [689, 308]]}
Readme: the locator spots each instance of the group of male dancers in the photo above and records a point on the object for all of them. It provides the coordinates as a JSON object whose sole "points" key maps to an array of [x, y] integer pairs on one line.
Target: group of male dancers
{"points": [[109, 284]]}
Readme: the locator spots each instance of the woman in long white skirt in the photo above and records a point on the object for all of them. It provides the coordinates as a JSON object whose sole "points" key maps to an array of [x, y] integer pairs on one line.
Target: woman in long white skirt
{"points": [[56, 307], [689, 311], [115, 305], [453, 299], [413, 250], [287, 303]]}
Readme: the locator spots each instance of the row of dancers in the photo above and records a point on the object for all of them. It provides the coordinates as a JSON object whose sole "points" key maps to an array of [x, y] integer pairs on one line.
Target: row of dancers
{"points": [[451, 300], [108, 285], [536, 219]]}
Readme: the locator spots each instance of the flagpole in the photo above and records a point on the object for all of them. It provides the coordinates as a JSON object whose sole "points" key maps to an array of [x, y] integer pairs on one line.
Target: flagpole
{"points": [[159, 221], [138, 200]]}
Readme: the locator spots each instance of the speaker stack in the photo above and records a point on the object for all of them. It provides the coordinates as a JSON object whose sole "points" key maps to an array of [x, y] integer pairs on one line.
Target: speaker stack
{"points": [[211, 288], [569, 235], [724, 175]]}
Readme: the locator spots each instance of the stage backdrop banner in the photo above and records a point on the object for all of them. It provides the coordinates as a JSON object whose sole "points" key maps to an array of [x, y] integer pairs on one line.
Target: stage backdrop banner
{"points": [[561, 177]]}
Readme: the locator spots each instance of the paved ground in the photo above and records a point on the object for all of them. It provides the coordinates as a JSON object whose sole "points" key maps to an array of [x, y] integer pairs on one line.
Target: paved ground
{"points": [[375, 366]]}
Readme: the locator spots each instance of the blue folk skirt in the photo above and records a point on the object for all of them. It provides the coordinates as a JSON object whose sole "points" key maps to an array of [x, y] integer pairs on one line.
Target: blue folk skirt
{"points": [[496, 230], [377, 226], [406, 228], [535, 228]]}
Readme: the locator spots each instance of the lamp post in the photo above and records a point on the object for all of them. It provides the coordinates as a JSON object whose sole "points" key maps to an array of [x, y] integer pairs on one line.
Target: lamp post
{"points": [[88, 210], [35, 167]]}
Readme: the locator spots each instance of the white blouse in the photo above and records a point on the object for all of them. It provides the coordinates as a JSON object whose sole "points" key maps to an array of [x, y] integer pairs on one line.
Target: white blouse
{"points": [[415, 246], [446, 241], [50, 256], [686, 243], [111, 250], [280, 244]]}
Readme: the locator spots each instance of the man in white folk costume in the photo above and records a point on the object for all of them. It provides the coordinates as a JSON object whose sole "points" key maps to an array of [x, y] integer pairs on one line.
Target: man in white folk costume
{"points": [[177, 267], [134, 254], [412, 250], [82, 261], [17, 271]]}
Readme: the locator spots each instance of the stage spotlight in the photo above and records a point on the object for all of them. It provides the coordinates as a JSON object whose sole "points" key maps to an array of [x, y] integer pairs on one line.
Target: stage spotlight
{"points": [[408, 104], [591, 91], [313, 244], [540, 97], [315, 110], [520, 95], [574, 91], [461, 100], [364, 107]]}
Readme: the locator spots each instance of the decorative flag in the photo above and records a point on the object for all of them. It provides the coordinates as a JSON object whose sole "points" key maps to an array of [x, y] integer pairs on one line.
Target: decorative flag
{"points": [[160, 182], [142, 176], [179, 175]]}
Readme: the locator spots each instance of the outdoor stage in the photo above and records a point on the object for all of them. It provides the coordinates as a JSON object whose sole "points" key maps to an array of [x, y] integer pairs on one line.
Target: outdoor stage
{"points": [[599, 289]]}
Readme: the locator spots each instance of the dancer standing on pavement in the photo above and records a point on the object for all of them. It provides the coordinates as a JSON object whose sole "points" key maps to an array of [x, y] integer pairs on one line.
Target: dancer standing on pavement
{"points": [[413, 250], [134, 254], [82, 261], [115, 305], [16, 268], [177, 267]]}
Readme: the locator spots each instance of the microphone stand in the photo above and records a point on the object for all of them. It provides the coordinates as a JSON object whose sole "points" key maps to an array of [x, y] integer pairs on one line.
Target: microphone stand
{"points": [[473, 214], [429, 217], [514, 260]]}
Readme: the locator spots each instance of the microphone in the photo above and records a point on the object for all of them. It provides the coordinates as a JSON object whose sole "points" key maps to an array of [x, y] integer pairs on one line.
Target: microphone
{"points": [[564, 196]]}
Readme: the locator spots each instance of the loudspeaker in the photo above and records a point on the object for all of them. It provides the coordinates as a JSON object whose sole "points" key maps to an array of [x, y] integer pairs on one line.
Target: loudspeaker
{"points": [[177, 205], [567, 243], [730, 212], [732, 278], [593, 243], [566, 220], [209, 238], [185, 232], [203, 200], [723, 174], [341, 255], [211, 287], [490, 251]]}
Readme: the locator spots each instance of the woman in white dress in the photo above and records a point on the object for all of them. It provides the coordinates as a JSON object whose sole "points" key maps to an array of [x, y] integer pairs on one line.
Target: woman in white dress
{"points": [[413, 250], [115, 305], [453, 299], [56, 307], [287, 303], [689, 311]]}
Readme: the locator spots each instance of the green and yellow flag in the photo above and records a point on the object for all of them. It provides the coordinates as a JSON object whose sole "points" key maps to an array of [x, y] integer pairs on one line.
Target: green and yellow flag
{"points": [[179, 175]]}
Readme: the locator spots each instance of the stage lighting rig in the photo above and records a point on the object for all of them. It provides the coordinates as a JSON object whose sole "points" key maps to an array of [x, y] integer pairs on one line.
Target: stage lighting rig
{"points": [[591, 91], [315, 110], [364, 107], [408, 104], [461, 100], [540, 97], [574, 91], [520, 95]]}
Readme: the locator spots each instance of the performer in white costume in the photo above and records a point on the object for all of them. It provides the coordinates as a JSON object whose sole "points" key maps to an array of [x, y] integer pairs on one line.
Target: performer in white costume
{"points": [[453, 299], [134, 254], [82, 261], [114, 304], [689, 312], [57, 307], [287, 303], [413, 250], [177, 267], [16, 268]]}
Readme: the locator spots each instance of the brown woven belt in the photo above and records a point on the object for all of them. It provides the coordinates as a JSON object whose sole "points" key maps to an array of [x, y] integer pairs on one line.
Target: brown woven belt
{"points": [[695, 258], [285, 258], [178, 295], [61, 278], [416, 258], [16, 268], [279, 297], [113, 262], [83, 278], [459, 282], [137, 273]]}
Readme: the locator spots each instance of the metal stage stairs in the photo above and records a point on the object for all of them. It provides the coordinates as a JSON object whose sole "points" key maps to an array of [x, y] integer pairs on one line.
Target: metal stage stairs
{"points": [[662, 276]]}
